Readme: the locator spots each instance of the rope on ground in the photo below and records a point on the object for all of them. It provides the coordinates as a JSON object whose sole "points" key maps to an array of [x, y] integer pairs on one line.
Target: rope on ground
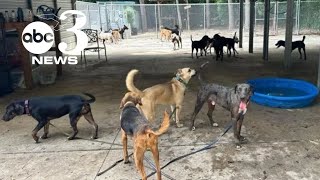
{"points": [[155, 169], [209, 146], [107, 153]]}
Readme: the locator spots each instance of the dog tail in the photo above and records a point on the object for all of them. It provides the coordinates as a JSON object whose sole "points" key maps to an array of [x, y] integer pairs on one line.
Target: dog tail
{"points": [[129, 82], [191, 38], [199, 75], [164, 125], [303, 38], [93, 99]]}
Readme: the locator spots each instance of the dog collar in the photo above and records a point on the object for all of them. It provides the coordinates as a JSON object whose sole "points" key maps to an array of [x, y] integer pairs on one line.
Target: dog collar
{"points": [[181, 80], [26, 107]]}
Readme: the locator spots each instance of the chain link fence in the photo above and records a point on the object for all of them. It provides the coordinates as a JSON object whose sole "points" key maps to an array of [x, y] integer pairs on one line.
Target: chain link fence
{"points": [[207, 17]]}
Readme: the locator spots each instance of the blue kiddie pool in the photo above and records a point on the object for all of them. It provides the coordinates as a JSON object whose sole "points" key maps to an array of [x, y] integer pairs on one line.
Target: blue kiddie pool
{"points": [[283, 93]]}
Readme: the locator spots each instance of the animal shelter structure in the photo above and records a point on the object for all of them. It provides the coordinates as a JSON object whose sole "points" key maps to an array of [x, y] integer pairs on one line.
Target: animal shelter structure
{"points": [[17, 59]]}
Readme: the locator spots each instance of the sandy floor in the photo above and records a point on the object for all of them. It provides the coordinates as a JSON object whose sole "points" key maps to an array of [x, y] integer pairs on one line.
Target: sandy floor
{"points": [[283, 144]]}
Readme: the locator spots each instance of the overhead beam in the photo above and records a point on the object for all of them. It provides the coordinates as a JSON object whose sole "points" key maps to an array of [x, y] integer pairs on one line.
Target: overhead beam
{"points": [[288, 39], [241, 24], [266, 30], [251, 26]]}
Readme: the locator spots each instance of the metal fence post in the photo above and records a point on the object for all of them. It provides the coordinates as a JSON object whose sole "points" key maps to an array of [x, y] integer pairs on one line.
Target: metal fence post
{"points": [[88, 12], [277, 19], [155, 17], [99, 16], [298, 16], [204, 18]]}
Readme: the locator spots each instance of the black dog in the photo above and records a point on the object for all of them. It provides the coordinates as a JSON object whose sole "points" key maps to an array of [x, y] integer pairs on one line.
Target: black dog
{"points": [[296, 44], [218, 43], [202, 44], [44, 109], [175, 30], [122, 30], [230, 44]]}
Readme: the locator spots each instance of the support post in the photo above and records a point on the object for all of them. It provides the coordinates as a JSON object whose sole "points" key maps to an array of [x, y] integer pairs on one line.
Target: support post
{"points": [[251, 26], [266, 30], [288, 39], [241, 24], [319, 72], [57, 40]]}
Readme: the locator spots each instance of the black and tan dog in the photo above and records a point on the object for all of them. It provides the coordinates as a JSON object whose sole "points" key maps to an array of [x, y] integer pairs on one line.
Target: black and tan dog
{"points": [[202, 44], [234, 100], [295, 44], [122, 30], [44, 109], [134, 124], [176, 30]]}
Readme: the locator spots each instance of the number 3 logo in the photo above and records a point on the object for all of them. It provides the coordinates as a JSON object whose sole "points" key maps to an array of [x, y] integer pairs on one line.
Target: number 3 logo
{"points": [[82, 39]]}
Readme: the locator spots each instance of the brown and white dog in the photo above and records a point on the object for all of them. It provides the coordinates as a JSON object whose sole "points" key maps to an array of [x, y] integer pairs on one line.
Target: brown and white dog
{"points": [[134, 124], [170, 93]]}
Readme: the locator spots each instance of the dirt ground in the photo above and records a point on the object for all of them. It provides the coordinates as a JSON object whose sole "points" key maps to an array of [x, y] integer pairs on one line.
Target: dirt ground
{"points": [[283, 144]]}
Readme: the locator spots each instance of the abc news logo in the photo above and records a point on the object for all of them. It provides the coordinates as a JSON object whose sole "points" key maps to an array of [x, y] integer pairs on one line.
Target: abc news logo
{"points": [[38, 38]]}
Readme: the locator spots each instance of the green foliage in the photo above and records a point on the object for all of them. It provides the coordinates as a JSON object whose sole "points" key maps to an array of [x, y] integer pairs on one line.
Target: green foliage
{"points": [[130, 15]]}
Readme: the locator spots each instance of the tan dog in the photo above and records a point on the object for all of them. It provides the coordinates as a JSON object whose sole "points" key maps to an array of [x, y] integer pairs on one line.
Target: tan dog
{"points": [[170, 93], [134, 124], [165, 33], [116, 35]]}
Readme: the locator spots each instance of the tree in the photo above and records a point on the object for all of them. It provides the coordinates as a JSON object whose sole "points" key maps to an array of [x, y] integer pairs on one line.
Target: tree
{"points": [[231, 18], [143, 16], [247, 14]]}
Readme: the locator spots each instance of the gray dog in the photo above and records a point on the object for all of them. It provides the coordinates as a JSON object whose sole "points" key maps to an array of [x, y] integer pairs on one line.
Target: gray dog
{"points": [[234, 100]]}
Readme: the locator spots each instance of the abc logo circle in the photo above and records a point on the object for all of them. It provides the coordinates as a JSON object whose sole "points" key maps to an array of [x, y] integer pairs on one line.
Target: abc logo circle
{"points": [[37, 37]]}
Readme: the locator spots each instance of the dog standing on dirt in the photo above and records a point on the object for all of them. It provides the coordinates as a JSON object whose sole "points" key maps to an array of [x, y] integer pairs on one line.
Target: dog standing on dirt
{"points": [[230, 42], [106, 36], [296, 44], [234, 100], [218, 44], [202, 44], [165, 34], [134, 124], [44, 109], [170, 93], [176, 40], [122, 30]]}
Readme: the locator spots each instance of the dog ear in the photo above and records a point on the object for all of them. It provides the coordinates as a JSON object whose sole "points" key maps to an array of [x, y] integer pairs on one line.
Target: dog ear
{"points": [[18, 109], [179, 71], [235, 89], [251, 90]]}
